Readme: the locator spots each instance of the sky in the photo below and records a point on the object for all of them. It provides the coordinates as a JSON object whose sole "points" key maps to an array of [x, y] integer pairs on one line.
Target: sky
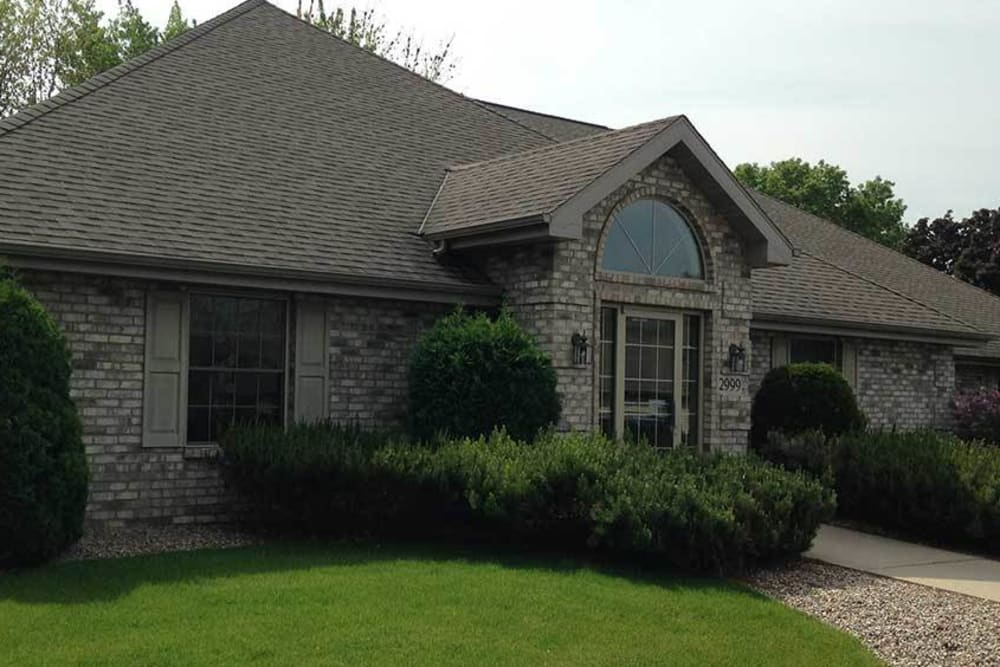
{"points": [[904, 89]]}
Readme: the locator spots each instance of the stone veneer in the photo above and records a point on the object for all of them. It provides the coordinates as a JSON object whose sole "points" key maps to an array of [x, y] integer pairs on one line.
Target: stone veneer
{"points": [[899, 384], [104, 322], [556, 290]]}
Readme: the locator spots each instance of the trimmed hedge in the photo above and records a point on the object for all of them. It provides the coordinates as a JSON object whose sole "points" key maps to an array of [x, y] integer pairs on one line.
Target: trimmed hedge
{"points": [[928, 485], [803, 397], [576, 491], [470, 374], [43, 469]]}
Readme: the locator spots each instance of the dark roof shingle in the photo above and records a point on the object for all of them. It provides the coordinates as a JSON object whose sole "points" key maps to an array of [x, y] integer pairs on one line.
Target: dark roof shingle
{"points": [[532, 183], [254, 140]]}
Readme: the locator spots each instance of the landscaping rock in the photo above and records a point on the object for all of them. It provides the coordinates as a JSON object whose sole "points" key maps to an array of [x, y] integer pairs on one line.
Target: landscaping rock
{"points": [[905, 624], [121, 542]]}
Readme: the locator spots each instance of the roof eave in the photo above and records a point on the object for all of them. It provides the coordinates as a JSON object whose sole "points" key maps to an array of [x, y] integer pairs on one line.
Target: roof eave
{"points": [[192, 271], [800, 324]]}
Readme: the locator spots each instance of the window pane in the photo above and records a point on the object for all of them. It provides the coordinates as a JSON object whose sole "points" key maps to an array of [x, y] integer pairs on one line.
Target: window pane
{"points": [[232, 338], [817, 350], [199, 384], [198, 430], [651, 237]]}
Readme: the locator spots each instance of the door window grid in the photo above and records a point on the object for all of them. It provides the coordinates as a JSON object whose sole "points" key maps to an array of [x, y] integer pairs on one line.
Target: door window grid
{"points": [[236, 364], [649, 380]]}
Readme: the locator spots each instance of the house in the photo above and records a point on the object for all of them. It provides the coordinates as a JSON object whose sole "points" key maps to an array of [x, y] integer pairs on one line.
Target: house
{"points": [[256, 220]]}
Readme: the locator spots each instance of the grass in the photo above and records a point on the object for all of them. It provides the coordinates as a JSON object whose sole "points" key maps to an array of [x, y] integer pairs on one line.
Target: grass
{"points": [[348, 604]]}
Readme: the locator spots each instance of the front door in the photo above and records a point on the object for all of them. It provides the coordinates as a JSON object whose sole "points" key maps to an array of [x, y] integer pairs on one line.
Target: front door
{"points": [[650, 364]]}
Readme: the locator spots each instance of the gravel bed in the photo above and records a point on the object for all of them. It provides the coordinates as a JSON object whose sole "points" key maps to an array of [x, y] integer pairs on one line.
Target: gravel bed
{"points": [[905, 624], [122, 542]]}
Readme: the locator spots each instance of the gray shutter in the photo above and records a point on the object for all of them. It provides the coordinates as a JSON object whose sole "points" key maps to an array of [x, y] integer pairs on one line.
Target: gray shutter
{"points": [[164, 413], [311, 363], [779, 351]]}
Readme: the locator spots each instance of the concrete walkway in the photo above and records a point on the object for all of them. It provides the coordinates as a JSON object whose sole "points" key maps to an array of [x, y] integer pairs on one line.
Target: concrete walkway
{"points": [[949, 570]]}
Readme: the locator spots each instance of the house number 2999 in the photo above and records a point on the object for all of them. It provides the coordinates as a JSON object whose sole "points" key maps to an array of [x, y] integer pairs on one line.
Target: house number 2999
{"points": [[731, 384]]}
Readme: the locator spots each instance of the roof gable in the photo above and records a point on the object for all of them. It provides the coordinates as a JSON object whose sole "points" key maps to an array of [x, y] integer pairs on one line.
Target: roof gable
{"points": [[545, 192]]}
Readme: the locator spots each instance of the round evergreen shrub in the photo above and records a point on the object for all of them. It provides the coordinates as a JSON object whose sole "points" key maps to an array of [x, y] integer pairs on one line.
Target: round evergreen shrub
{"points": [[43, 468], [804, 397], [470, 374]]}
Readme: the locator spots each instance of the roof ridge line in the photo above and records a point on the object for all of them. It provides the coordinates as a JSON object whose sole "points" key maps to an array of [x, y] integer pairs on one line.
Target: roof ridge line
{"points": [[907, 297], [875, 243], [107, 77], [430, 209], [484, 106], [561, 144], [542, 113]]}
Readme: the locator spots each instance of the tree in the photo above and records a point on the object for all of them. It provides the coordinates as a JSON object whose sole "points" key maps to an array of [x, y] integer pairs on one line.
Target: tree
{"points": [[870, 208], [968, 249], [176, 23], [363, 28], [85, 47], [132, 34]]}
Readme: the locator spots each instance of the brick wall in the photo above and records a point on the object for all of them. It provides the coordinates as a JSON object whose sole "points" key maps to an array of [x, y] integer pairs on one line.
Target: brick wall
{"points": [[370, 345], [104, 321], [556, 290], [905, 385]]}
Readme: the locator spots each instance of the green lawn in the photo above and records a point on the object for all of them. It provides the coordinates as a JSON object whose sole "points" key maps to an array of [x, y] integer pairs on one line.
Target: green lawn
{"points": [[351, 605]]}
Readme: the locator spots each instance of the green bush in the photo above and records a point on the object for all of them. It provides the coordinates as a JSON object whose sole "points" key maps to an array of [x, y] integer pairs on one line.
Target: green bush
{"points": [[576, 491], [43, 469], [804, 397], [924, 484], [470, 374]]}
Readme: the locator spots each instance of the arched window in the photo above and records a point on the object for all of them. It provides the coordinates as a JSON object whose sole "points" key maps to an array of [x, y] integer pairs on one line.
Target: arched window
{"points": [[650, 237]]}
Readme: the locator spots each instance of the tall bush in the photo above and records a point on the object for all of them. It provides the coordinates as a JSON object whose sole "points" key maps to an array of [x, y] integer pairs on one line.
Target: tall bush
{"points": [[470, 374], [803, 397], [43, 469]]}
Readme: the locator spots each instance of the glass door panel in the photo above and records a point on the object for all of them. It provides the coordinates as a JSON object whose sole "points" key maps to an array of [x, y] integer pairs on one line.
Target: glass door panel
{"points": [[649, 403]]}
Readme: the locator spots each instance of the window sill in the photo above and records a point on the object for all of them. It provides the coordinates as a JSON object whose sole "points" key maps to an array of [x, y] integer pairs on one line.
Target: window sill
{"points": [[202, 451]]}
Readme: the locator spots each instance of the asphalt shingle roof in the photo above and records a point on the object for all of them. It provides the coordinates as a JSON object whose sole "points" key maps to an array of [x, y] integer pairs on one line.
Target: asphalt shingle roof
{"points": [[254, 139], [894, 271], [560, 129], [530, 183], [257, 140]]}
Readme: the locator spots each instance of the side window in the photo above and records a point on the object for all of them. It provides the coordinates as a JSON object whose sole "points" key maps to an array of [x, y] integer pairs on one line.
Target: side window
{"points": [[236, 372], [816, 350], [211, 361]]}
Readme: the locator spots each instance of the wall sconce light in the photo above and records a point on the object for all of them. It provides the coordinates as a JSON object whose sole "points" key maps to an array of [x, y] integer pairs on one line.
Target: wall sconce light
{"points": [[581, 349], [737, 358]]}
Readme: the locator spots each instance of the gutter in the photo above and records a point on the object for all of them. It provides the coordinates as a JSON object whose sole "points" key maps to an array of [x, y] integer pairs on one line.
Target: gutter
{"points": [[149, 267], [791, 323]]}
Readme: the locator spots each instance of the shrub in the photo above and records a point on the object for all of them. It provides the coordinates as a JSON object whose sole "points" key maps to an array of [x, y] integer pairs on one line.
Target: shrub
{"points": [[43, 469], [926, 484], [923, 484], [977, 415], [803, 397], [470, 374], [576, 491]]}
